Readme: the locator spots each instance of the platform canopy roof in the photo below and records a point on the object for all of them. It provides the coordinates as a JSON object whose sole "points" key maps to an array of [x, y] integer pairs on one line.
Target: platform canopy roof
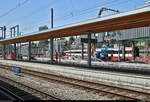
{"points": [[125, 20]]}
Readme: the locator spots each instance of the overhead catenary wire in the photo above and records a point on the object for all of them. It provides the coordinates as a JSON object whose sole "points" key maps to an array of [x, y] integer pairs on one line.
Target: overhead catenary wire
{"points": [[93, 9], [53, 2], [74, 14], [12, 9], [37, 24], [80, 12], [38, 10]]}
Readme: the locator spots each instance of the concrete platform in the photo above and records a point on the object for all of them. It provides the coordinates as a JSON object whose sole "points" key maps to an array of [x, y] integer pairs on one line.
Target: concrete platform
{"points": [[139, 68], [141, 81]]}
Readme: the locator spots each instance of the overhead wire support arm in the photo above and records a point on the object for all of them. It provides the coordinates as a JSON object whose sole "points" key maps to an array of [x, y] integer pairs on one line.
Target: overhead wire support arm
{"points": [[14, 28], [3, 32]]}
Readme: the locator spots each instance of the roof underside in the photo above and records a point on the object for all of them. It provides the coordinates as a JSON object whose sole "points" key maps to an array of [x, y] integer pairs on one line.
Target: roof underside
{"points": [[125, 20]]}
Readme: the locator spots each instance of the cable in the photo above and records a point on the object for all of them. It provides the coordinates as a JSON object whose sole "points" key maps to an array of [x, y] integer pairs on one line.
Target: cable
{"points": [[39, 9], [70, 13], [93, 9], [113, 2], [81, 13], [11, 10], [98, 6], [55, 19], [35, 25], [36, 11]]}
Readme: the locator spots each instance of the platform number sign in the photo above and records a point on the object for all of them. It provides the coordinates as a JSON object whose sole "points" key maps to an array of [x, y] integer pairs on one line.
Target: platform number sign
{"points": [[16, 69], [85, 40]]}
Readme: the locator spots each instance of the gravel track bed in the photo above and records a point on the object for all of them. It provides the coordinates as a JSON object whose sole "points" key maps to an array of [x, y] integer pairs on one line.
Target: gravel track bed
{"points": [[108, 82], [59, 90], [79, 73], [98, 80], [93, 79]]}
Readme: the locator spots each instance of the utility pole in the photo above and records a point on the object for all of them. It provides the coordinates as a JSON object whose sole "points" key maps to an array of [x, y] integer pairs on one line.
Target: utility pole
{"points": [[51, 39], [4, 32], [52, 18]]}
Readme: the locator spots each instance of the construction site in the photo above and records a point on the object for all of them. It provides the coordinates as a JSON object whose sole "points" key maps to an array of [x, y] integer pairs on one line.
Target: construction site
{"points": [[106, 57]]}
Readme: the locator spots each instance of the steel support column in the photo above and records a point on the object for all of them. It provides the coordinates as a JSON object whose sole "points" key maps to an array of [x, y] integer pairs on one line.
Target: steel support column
{"points": [[124, 55], [51, 52], [147, 48], [82, 50], [4, 51], [89, 49], [133, 54], [29, 51], [118, 51], [60, 52], [52, 20], [15, 52], [94, 53]]}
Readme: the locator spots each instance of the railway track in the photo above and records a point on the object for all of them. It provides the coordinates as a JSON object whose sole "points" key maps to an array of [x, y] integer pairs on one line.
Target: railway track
{"points": [[102, 89], [8, 95], [24, 95]]}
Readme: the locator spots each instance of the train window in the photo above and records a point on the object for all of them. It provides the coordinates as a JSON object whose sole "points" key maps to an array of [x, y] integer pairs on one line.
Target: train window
{"points": [[115, 52]]}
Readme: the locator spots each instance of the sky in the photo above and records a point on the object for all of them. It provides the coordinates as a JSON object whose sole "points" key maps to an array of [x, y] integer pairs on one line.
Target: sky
{"points": [[31, 14]]}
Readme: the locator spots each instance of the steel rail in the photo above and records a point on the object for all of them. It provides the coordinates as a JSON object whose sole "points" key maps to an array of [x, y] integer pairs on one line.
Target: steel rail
{"points": [[76, 82], [10, 94], [87, 84], [28, 87]]}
